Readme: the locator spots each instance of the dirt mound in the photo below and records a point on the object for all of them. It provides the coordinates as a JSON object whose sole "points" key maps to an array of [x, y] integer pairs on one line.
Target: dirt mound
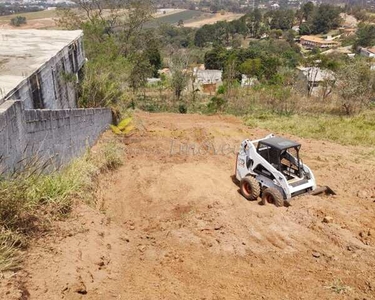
{"points": [[176, 227]]}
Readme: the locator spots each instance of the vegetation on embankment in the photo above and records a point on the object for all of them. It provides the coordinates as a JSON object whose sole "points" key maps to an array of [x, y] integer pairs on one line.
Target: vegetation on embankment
{"points": [[30, 199], [354, 130]]}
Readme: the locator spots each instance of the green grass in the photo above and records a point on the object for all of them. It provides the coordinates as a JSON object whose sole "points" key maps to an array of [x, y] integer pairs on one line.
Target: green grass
{"points": [[356, 130], [30, 200], [173, 19], [338, 287], [31, 15]]}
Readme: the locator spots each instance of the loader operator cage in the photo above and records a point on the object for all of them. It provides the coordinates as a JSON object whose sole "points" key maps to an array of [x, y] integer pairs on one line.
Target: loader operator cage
{"points": [[279, 152]]}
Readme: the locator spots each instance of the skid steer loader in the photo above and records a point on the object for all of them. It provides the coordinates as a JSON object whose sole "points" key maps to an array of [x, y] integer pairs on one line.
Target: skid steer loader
{"points": [[271, 168]]}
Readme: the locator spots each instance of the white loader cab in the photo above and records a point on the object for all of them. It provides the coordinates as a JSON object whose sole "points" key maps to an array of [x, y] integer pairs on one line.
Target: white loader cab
{"points": [[271, 167]]}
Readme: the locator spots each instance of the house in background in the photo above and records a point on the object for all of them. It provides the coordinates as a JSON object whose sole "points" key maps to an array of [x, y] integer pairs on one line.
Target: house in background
{"points": [[340, 50], [207, 81], [313, 79], [345, 32], [310, 42], [248, 82], [367, 52], [165, 72], [153, 81]]}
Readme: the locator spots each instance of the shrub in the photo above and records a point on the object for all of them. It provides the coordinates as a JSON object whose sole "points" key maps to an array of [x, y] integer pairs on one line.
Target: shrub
{"points": [[125, 127], [111, 157], [18, 21], [182, 109], [216, 104]]}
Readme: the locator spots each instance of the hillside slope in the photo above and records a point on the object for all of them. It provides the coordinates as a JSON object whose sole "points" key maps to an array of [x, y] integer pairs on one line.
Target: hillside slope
{"points": [[176, 227]]}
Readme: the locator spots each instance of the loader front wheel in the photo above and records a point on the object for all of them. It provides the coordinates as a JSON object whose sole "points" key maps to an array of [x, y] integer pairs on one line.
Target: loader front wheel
{"points": [[250, 188], [271, 195]]}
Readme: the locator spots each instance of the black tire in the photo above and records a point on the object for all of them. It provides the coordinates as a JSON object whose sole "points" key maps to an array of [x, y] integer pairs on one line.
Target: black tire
{"points": [[272, 195], [250, 188]]}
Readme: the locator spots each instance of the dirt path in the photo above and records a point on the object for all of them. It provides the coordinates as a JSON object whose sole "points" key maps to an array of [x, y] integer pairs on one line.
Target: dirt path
{"points": [[212, 19], [175, 226]]}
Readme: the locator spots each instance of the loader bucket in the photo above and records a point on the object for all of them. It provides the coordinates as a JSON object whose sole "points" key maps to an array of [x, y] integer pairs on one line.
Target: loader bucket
{"points": [[323, 190]]}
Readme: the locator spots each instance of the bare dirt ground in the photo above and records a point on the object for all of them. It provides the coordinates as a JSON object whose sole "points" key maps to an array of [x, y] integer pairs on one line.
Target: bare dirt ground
{"points": [[167, 12], [172, 225], [212, 19]]}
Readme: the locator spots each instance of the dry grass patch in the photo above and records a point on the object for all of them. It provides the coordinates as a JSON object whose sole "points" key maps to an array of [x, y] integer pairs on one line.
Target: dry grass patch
{"points": [[31, 199], [355, 130]]}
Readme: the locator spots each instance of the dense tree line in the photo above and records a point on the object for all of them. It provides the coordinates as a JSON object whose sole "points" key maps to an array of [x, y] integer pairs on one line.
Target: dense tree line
{"points": [[365, 36], [16, 8], [122, 54], [318, 19], [256, 24], [261, 59]]}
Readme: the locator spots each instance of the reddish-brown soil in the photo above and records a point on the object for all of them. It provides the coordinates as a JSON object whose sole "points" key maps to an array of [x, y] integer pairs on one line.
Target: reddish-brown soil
{"points": [[174, 226]]}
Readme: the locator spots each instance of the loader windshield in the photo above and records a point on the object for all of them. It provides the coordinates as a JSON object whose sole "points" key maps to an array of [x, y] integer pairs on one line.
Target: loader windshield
{"points": [[285, 160], [290, 162]]}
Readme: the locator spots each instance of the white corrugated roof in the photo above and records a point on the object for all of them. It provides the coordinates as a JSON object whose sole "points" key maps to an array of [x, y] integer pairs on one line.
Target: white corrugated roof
{"points": [[317, 74], [209, 76]]}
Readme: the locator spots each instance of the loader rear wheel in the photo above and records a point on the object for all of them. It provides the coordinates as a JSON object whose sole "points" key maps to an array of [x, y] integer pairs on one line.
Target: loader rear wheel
{"points": [[250, 188], [271, 195]]}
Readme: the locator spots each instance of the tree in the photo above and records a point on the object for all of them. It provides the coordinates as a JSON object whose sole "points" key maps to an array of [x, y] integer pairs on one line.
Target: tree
{"points": [[308, 10], [122, 19], [152, 54], [230, 75], [121, 53], [140, 71], [276, 33], [215, 59], [305, 29], [214, 8], [253, 22], [365, 36], [103, 81], [282, 19], [204, 35], [237, 41], [18, 21], [180, 23], [290, 36], [326, 18], [355, 85], [252, 67], [269, 66], [178, 65]]}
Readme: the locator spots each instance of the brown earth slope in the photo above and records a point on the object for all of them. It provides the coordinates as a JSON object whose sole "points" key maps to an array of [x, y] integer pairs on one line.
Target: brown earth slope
{"points": [[175, 227]]}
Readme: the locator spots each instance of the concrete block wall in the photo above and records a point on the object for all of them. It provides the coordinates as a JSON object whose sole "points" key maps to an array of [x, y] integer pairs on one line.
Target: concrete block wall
{"points": [[12, 134], [60, 135]]}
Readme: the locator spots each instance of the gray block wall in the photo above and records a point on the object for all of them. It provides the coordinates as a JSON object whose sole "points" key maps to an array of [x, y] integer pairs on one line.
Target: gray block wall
{"points": [[60, 135], [12, 134]]}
